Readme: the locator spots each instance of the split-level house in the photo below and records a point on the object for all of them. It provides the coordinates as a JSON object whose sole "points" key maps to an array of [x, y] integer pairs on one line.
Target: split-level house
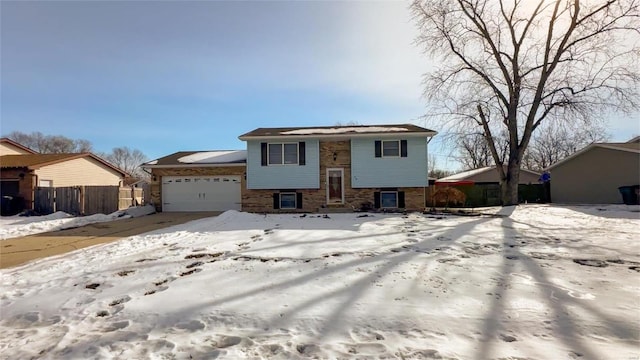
{"points": [[336, 167]]}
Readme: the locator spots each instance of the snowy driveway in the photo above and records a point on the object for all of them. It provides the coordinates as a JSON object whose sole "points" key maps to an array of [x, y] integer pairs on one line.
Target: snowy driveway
{"points": [[78, 232]]}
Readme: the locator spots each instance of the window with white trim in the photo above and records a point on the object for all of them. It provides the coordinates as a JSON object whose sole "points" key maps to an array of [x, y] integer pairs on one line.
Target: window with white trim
{"points": [[288, 200], [388, 199], [391, 148], [283, 153]]}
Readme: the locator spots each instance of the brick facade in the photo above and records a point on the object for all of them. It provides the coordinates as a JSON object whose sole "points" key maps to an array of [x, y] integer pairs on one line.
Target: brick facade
{"points": [[27, 182], [158, 173], [315, 199]]}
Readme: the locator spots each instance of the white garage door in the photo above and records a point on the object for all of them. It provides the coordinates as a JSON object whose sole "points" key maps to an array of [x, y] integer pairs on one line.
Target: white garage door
{"points": [[200, 193]]}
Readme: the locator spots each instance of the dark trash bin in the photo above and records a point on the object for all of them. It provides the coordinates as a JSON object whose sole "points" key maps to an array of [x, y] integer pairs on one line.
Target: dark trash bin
{"points": [[630, 194], [11, 205]]}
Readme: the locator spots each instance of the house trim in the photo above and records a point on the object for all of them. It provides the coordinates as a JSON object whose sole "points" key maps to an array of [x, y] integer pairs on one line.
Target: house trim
{"points": [[341, 136]]}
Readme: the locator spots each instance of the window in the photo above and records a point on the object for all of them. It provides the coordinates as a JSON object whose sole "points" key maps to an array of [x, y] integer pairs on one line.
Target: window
{"points": [[288, 200], [389, 199], [283, 153], [391, 148]]}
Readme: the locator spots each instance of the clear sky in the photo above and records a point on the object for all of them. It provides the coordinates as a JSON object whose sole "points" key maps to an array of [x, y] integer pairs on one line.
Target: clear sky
{"points": [[166, 76]]}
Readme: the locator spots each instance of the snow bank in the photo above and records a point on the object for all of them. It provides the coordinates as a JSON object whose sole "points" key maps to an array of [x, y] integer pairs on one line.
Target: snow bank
{"points": [[17, 226]]}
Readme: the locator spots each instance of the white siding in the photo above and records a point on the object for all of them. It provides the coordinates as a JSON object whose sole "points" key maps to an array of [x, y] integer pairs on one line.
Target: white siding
{"points": [[369, 171], [8, 149], [83, 171], [283, 176]]}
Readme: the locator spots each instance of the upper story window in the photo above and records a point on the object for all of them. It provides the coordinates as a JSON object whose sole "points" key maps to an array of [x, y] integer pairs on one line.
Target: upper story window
{"points": [[391, 148], [283, 154]]}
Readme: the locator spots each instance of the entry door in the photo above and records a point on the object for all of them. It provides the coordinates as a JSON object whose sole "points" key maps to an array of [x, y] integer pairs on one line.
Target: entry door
{"points": [[335, 186]]}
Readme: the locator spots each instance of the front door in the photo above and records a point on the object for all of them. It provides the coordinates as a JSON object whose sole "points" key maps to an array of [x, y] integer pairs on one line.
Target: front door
{"points": [[335, 186]]}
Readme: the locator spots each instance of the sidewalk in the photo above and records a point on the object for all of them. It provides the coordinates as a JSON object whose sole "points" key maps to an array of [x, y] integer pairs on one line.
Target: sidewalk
{"points": [[20, 250]]}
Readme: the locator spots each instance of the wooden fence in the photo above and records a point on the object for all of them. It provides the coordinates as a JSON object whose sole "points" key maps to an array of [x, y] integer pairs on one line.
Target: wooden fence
{"points": [[130, 196], [83, 200]]}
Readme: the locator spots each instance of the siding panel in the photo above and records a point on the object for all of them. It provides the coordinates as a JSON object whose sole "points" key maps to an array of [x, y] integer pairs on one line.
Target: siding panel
{"points": [[77, 172], [370, 171], [8, 149], [594, 177], [283, 176]]}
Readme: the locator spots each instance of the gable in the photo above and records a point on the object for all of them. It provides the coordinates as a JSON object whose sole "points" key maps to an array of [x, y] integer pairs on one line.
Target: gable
{"points": [[80, 171], [7, 148]]}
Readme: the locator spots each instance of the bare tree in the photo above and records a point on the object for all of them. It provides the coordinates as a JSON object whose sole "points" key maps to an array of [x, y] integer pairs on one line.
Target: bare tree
{"points": [[555, 142], [434, 172], [475, 152], [50, 144], [514, 65], [128, 160]]}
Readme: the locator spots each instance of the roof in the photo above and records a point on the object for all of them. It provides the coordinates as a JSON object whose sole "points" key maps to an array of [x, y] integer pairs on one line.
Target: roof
{"points": [[18, 145], [36, 161], [337, 131], [463, 177], [632, 147], [200, 158]]}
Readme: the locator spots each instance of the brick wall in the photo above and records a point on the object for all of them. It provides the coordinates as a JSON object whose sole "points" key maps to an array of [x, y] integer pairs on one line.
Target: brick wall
{"points": [[26, 183], [157, 174]]}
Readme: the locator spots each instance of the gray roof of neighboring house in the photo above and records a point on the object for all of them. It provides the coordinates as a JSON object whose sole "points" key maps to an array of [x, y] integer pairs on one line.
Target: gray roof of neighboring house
{"points": [[633, 147], [338, 131], [200, 158]]}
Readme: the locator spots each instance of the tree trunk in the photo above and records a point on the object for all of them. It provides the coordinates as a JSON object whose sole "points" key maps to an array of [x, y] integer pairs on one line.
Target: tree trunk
{"points": [[509, 184]]}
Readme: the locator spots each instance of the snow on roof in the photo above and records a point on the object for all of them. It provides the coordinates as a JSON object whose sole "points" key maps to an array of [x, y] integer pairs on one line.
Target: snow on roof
{"points": [[344, 130], [214, 157], [152, 162], [465, 174]]}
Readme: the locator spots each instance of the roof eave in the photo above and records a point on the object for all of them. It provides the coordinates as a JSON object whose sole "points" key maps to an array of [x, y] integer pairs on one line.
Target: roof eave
{"points": [[168, 166], [339, 136]]}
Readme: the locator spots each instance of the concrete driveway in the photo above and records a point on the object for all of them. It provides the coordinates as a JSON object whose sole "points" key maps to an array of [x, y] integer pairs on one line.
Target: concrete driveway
{"points": [[20, 250]]}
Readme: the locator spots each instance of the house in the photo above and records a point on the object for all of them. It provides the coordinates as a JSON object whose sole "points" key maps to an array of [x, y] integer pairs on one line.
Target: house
{"points": [[21, 174], [336, 167], [482, 186], [10, 147], [594, 174], [198, 180]]}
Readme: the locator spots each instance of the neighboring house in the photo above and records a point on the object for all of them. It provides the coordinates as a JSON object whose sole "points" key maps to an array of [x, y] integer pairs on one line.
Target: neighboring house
{"points": [[10, 147], [594, 174], [21, 174], [198, 180], [482, 186], [339, 167]]}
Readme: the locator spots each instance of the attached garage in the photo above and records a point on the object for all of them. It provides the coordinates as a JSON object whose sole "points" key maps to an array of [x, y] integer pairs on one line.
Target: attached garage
{"points": [[201, 193], [198, 181]]}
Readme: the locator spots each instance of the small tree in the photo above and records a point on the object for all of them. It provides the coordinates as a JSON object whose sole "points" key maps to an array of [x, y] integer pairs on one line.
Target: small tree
{"points": [[511, 66], [128, 160]]}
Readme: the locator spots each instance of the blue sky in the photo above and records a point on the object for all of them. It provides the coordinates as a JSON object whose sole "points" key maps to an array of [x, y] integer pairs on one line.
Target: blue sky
{"points": [[165, 76]]}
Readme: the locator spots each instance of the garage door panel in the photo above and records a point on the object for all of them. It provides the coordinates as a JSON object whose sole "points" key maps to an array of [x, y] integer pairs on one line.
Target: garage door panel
{"points": [[201, 193]]}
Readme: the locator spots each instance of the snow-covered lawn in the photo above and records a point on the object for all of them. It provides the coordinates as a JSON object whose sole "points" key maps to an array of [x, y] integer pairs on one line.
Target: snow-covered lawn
{"points": [[16, 226], [544, 282]]}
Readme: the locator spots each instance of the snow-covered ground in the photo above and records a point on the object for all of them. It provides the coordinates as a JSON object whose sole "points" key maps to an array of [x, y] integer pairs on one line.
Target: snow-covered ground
{"points": [[532, 282], [16, 226]]}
